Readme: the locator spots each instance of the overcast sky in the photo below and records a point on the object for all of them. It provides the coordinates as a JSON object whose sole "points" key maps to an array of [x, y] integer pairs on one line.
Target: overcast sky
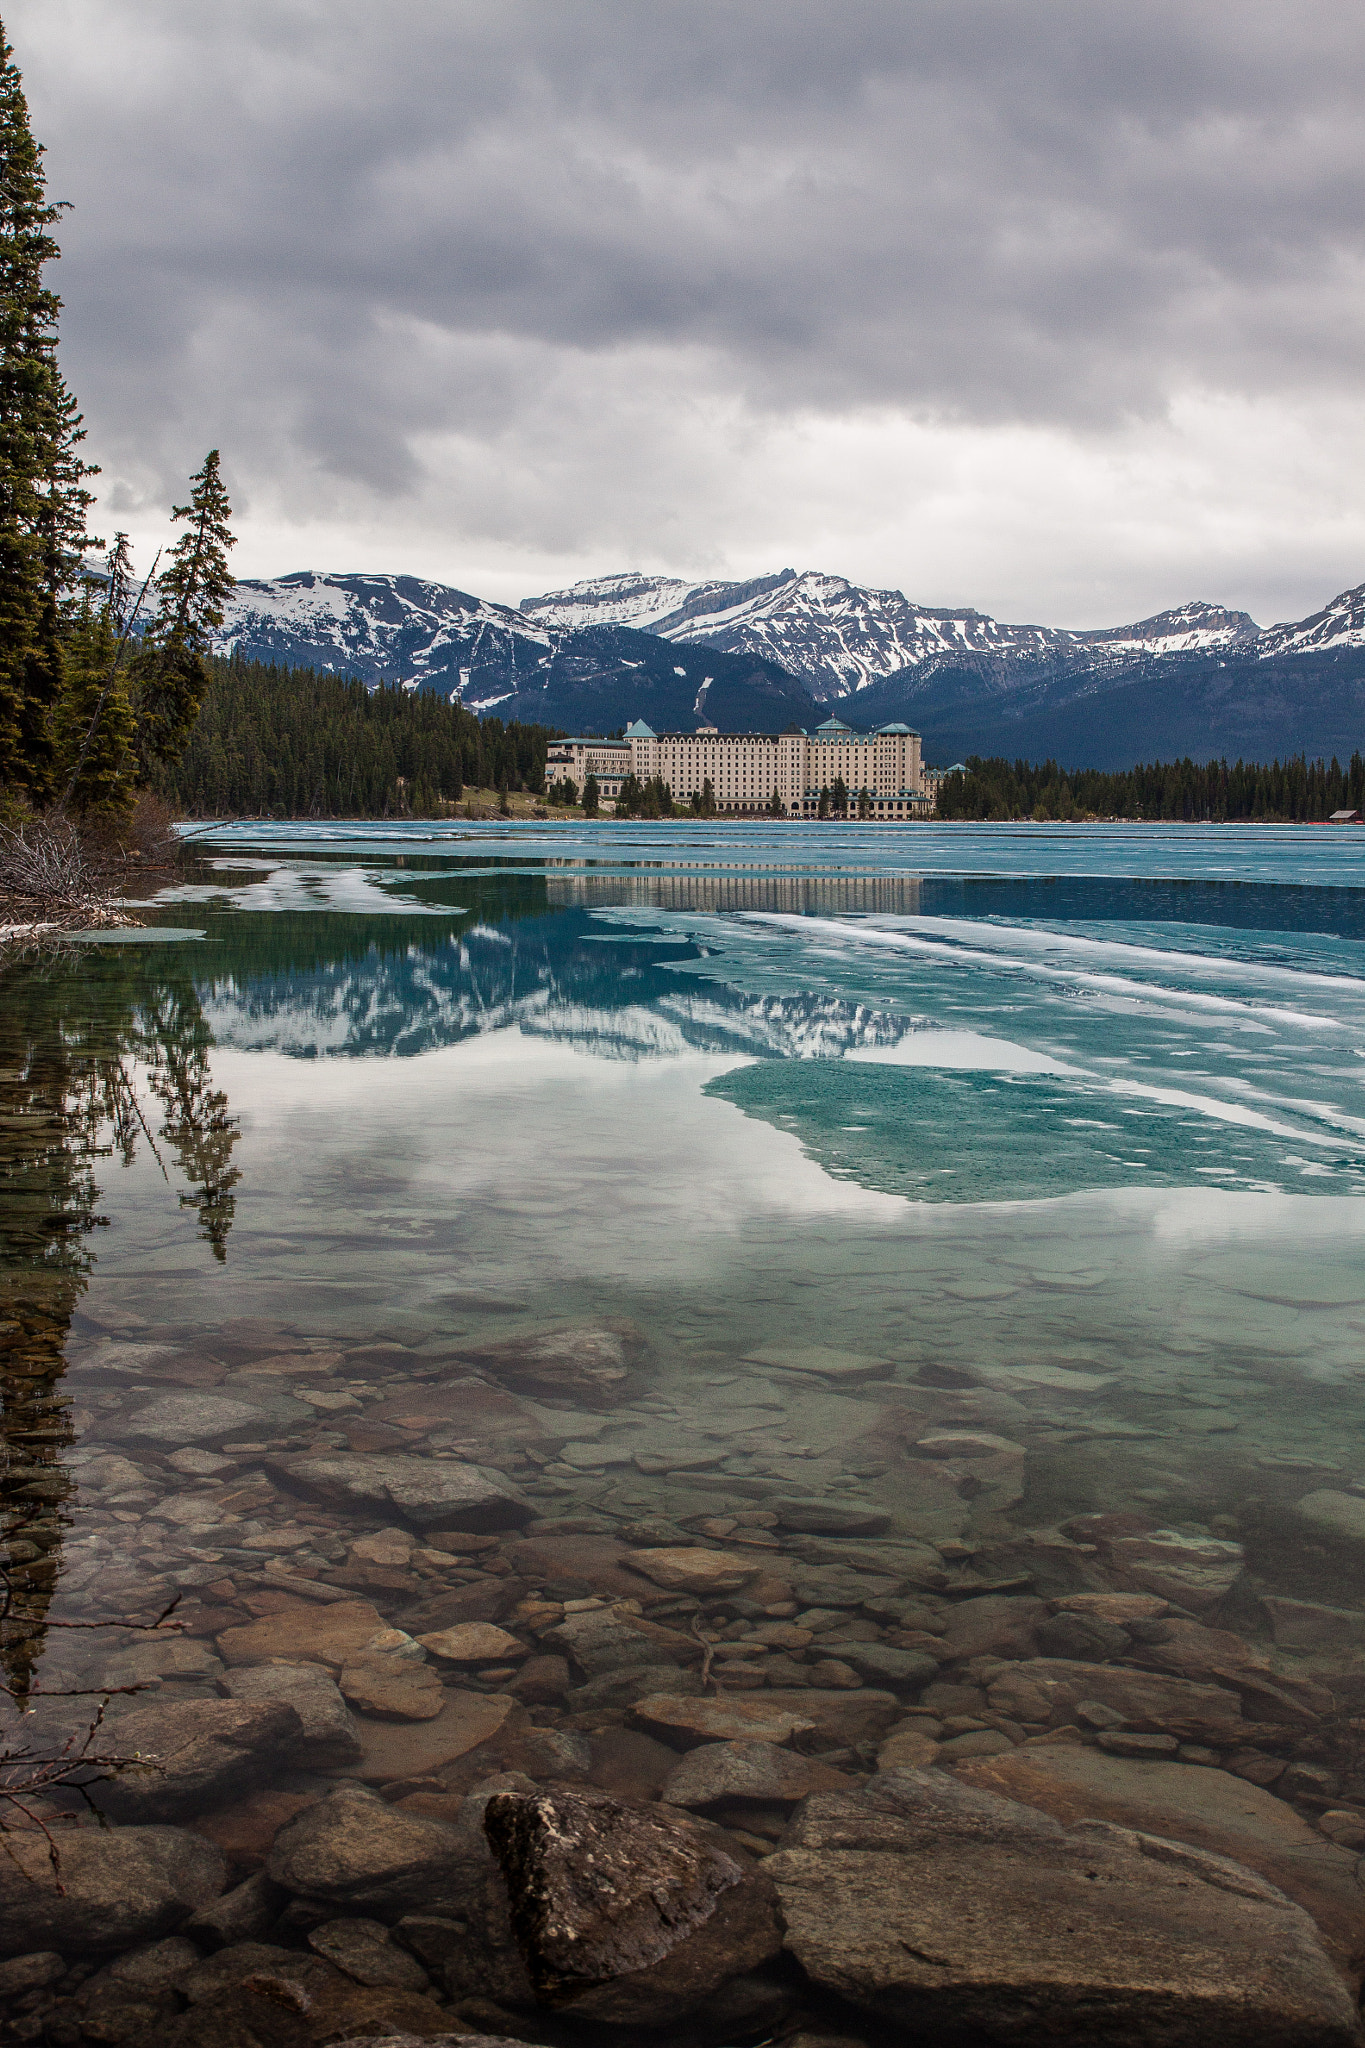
{"points": [[1053, 307]]}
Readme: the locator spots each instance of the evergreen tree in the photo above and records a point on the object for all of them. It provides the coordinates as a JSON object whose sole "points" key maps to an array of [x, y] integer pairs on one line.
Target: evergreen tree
{"points": [[592, 796], [776, 807], [170, 671], [822, 808], [118, 594], [94, 725], [864, 803], [43, 500], [838, 797]]}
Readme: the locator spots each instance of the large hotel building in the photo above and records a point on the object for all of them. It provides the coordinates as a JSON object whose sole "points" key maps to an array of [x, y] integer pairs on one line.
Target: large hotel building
{"points": [[745, 768]]}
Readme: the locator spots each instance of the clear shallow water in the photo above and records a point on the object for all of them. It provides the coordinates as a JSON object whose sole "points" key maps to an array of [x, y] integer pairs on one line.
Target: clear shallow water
{"points": [[667, 1071], [1067, 1124]]}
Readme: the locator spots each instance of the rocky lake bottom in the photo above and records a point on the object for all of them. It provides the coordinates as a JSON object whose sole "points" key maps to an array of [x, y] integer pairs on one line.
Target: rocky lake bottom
{"points": [[685, 1458]]}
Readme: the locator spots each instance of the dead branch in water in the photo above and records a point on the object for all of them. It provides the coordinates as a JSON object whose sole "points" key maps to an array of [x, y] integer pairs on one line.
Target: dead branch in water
{"points": [[31, 1773], [52, 879]]}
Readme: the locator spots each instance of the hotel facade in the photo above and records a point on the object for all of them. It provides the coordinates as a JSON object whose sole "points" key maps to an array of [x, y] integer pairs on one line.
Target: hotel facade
{"points": [[745, 768]]}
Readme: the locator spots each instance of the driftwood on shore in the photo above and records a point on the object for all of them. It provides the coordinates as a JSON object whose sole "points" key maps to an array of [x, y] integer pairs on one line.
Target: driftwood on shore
{"points": [[58, 875]]}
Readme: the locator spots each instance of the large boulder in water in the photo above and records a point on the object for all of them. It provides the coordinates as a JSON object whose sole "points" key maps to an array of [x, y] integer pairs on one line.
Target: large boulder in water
{"points": [[1209, 1809], [949, 1914], [626, 1914]]}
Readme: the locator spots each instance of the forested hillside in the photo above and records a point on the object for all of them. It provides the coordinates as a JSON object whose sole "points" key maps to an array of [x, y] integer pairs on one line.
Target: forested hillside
{"points": [[1214, 793], [295, 743]]}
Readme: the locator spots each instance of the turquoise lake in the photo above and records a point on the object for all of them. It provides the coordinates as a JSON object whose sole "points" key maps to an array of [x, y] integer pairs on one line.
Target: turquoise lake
{"points": [[1074, 1096], [1063, 1125]]}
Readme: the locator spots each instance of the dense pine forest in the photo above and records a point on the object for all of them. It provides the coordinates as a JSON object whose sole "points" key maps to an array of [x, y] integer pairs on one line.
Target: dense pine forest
{"points": [[1295, 791], [273, 742]]}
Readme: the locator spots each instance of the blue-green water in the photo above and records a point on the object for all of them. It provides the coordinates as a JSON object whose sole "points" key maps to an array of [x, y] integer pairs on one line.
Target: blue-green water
{"points": [[1027, 1103], [674, 1070]]}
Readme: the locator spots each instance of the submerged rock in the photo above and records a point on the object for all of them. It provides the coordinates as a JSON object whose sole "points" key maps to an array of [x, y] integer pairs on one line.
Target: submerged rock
{"points": [[392, 1688], [1191, 1803], [603, 1639], [474, 1642], [246, 1913], [1193, 1651], [363, 1949], [821, 1361], [196, 1752], [417, 1748], [1196, 1572], [1047, 1691], [328, 1737], [951, 1914], [35, 1972], [814, 1717], [206, 1980], [830, 1517], [353, 1850], [112, 1887], [1337, 1515], [302, 1633], [696, 1570], [431, 1493], [884, 1664], [747, 1774], [460, 2040], [592, 1565], [195, 1418], [594, 1364], [1304, 1625]]}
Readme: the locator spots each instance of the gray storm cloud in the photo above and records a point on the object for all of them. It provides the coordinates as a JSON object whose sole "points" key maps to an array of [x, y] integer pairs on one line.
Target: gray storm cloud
{"points": [[492, 260]]}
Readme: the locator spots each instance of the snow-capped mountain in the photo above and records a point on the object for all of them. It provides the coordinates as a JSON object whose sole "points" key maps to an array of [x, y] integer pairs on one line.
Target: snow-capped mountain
{"points": [[402, 628], [762, 655], [629, 600], [1339, 624], [428, 636], [840, 637]]}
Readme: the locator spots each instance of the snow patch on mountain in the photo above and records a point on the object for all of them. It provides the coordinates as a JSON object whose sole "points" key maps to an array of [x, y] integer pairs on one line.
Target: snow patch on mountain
{"points": [[1339, 624], [398, 629], [840, 637], [629, 600]]}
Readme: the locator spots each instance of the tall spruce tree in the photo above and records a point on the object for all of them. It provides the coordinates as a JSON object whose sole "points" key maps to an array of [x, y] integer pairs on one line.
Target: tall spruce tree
{"points": [[170, 671], [94, 726], [43, 500]]}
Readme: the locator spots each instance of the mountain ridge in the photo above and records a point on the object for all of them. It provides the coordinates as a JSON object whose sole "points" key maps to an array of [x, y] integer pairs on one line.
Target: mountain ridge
{"points": [[1198, 677], [840, 637], [431, 636]]}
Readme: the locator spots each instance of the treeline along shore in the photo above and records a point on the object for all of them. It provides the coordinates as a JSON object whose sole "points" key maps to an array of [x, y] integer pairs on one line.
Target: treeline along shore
{"points": [[279, 742], [302, 743], [1297, 791]]}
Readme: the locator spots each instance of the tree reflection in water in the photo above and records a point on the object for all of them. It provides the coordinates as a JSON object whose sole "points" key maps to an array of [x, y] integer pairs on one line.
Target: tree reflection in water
{"points": [[101, 1052]]}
